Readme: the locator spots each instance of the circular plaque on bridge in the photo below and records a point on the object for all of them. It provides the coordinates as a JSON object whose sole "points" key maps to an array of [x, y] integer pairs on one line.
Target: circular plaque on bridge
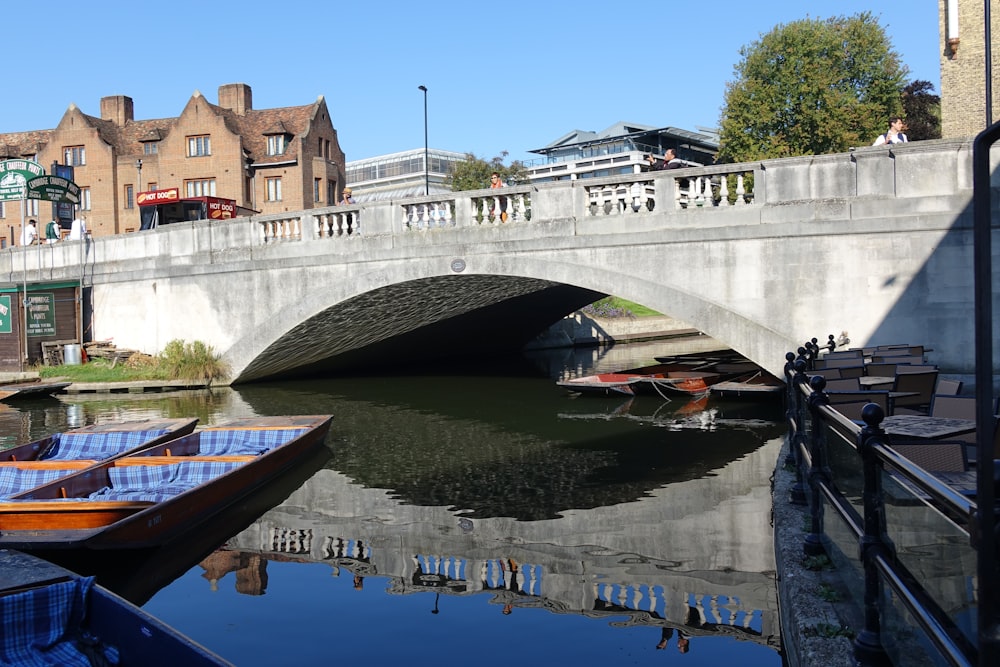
{"points": [[458, 265]]}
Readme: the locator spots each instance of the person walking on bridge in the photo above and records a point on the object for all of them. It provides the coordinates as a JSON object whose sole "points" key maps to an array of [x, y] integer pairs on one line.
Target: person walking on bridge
{"points": [[894, 135]]}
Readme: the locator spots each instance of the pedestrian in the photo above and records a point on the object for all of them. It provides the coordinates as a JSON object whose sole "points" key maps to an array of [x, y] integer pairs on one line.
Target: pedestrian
{"points": [[669, 161], [496, 183], [52, 233], [29, 234], [894, 135], [78, 229], [346, 199]]}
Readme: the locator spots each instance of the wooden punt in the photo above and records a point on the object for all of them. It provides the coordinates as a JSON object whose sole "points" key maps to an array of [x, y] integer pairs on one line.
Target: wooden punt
{"points": [[156, 494], [42, 461], [53, 616], [18, 390]]}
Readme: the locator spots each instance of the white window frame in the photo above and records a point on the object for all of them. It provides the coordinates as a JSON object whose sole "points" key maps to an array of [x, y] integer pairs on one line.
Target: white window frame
{"points": [[199, 145], [276, 144], [273, 185], [84, 199], [200, 187], [75, 156], [151, 147]]}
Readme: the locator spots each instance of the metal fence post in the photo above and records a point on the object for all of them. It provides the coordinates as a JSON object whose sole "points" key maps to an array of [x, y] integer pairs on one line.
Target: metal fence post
{"points": [[868, 648], [819, 472]]}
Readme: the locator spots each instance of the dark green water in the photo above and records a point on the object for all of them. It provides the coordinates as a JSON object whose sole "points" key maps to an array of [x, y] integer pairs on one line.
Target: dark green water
{"points": [[472, 518]]}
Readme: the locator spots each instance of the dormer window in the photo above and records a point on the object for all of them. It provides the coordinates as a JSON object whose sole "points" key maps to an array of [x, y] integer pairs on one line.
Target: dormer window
{"points": [[278, 137], [276, 144]]}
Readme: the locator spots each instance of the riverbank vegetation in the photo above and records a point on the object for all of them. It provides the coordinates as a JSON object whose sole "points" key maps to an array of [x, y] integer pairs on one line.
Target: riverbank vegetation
{"points": [[613, 306], [178, 361]]}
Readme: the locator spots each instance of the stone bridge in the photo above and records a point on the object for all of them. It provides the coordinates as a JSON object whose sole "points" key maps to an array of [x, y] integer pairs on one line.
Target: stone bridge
{"points": [[874, 245]]}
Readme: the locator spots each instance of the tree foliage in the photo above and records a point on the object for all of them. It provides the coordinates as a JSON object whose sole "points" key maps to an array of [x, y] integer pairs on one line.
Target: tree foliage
{"points": [[922, 111], [811, 87], [474, 173]]}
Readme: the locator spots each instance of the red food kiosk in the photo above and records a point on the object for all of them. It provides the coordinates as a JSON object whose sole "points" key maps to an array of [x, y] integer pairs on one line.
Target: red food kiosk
{"points": [[163, 207]]}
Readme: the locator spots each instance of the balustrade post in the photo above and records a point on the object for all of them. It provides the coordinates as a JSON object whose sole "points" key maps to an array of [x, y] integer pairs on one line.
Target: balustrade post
{"points": [[868, 648], [819, 472]]}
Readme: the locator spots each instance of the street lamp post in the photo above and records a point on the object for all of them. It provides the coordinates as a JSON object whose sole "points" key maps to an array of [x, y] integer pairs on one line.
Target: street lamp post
{"points": [[427, 178], [138, 188]]}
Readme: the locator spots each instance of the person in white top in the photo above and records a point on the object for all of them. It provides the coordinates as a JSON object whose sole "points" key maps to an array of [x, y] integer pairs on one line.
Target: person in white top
{"points": [[29, 233], [894, 135], [78, 229]]}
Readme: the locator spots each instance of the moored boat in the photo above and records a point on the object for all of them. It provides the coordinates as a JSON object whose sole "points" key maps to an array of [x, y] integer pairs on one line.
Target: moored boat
{"points": [[159, 493], [42, 461], [757, 387], [16, 390], [53, 616]]}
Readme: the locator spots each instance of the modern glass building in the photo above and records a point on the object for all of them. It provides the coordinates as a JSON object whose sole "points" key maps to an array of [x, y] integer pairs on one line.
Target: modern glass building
{"points": [[619, 149], [401, 175]]}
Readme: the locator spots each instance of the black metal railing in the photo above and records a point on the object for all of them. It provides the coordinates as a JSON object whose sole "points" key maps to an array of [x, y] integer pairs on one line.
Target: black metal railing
{"points": [[916, 540]]}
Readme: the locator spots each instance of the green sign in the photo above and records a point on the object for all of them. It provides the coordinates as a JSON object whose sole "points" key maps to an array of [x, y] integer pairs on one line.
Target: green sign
{"points": [[54, 188], [41, 314], [6, 315], [14, 176]]}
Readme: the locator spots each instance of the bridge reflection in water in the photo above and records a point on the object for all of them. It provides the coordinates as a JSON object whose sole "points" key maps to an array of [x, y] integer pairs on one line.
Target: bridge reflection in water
{"points": [[687, 547]]}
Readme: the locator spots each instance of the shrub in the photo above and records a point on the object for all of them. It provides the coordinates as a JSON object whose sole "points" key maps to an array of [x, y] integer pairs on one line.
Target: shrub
{"points": [[192, 361]]}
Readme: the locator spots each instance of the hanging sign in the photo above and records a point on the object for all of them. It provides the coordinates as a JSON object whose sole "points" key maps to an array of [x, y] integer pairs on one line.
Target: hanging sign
{"points": [[6, 315], [41, 314], [54, 188], [14, 176]]}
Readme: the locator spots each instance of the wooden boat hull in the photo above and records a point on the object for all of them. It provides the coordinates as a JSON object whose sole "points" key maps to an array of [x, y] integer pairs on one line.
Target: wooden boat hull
{"points": [[759, 387], [138, 638], [19, 390], [65, 515]]}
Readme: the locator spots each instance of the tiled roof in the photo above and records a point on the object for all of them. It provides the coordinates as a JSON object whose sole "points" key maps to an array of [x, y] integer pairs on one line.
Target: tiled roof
{"points": [[128, 140]]}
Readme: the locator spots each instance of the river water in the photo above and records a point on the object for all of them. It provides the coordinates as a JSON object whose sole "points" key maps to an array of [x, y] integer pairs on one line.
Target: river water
{"points": [[473, 517]]}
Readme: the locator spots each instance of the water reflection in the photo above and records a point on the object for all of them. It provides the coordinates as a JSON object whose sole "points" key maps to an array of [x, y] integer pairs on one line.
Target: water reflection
{"points": [[592, 527]]}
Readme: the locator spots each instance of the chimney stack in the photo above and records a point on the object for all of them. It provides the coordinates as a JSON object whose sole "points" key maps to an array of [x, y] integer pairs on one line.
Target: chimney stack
{"points": [[118, 109], [236, 96]]}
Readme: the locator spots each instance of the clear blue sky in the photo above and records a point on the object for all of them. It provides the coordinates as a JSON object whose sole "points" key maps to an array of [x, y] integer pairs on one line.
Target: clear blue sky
{"points": [[501, 76]]}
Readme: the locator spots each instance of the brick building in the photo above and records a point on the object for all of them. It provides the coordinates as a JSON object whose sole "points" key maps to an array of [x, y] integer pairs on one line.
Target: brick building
{"points": [[268, 160], [963, 66]]}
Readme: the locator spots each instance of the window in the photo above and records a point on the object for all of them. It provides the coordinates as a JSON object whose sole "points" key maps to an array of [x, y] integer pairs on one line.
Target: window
{"points": [[331, 188], [31, 207], [151, 187], [151, 147], [317, 189], [75, 156], [204, 187], [84, 199], [276, 144], [274, 189], [2, 213], [199, 146], [129, 197]]}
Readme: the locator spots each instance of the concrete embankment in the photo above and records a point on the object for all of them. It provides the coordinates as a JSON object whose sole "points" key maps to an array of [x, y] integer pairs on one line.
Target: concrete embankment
{"points": [[581, 330]]}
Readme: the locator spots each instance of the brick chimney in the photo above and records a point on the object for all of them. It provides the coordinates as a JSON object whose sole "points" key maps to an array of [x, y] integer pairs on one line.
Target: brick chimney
{"points": [[236, 96], [118, 109]]}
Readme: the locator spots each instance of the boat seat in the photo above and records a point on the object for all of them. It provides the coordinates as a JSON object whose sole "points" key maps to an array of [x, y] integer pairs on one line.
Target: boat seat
{"points": [[239, 442], [98, 446], [155, 483], [44, 626], [15, 480]]}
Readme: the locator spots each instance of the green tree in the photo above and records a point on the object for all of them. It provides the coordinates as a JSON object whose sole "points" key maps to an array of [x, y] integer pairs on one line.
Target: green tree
{"points": [[811, 87], [474, 173], [922, 111]]}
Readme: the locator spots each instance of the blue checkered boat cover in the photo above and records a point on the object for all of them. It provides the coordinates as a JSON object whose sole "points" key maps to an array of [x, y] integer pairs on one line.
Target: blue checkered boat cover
{"points": [[14, 481], [159, 482], [75, 446], [244, 443], [41, 626]]}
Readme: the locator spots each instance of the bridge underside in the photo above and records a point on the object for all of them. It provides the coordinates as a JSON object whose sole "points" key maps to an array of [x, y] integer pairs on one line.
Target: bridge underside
{"points": [[418, 322]]}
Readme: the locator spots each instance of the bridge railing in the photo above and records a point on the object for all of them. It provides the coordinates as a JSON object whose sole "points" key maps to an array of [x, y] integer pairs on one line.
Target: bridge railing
{"points": [[719, 186], [885, 524]]}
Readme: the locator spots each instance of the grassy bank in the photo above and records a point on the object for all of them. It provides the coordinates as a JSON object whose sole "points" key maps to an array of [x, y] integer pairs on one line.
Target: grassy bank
{"points": [[178, 361]]}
